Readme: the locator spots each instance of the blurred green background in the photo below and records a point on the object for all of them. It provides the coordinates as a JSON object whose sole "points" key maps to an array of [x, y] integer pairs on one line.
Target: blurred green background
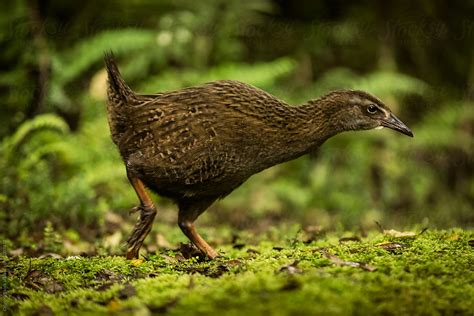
{"points": [[59, 168]]}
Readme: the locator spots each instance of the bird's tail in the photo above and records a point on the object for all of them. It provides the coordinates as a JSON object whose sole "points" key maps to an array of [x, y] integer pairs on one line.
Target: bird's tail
{"points": [[117, 89]]}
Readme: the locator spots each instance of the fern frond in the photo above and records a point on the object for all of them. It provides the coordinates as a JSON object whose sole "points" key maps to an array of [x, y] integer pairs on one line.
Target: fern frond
{"points": [[381, 83], [261, 75], [37, 154], [386, 83], [443, 128], [79, 58], [26, 130]]}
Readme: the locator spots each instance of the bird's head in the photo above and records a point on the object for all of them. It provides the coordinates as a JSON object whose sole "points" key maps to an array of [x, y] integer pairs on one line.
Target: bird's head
{"points": [[358, 110]]}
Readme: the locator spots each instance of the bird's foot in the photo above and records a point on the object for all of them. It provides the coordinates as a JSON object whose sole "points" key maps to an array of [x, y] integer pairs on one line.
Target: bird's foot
{"points": [[191, 251], [212, 254], [132, 253], [141, 230]]}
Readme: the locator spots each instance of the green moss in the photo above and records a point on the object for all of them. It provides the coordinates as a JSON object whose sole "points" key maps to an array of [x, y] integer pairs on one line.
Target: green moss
{"points": [[430, 274]]}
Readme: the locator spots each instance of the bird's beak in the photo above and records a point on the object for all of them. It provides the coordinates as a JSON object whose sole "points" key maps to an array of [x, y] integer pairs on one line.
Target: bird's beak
{"points": [[394, 123]]}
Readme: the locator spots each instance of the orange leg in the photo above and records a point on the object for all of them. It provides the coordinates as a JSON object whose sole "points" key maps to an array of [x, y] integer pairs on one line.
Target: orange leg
{"points": [[188, 212], [145, 221]]}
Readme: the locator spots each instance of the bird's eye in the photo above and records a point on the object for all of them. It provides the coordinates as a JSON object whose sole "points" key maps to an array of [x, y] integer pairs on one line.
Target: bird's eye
{"points": [[372, 109]]}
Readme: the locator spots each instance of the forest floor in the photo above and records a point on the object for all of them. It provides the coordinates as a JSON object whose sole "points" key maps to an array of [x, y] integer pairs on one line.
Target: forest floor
{"points": [[313, 273]]}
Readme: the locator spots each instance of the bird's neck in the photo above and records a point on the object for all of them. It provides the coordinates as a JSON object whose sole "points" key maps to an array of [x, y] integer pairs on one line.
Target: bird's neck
{"points": [[307, 127]]}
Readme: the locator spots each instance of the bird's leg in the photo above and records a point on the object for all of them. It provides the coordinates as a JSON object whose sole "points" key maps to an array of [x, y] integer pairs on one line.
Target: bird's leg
{"points": [[145, 220], [188, 212]]}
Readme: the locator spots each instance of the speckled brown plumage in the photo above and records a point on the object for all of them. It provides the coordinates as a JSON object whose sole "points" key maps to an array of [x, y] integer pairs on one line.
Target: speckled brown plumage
{"points": [[198, 144]]}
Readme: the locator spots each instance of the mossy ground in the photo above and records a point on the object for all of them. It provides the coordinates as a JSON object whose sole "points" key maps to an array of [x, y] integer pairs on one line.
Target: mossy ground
{"points": [[430, 273]]}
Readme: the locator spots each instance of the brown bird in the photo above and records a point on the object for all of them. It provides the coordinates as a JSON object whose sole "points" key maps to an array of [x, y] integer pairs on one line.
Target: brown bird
{"points": [[198, 144]]}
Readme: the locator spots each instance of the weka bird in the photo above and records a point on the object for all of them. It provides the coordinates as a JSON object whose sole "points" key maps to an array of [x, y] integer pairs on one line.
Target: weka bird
{"points": [[198, 144]]}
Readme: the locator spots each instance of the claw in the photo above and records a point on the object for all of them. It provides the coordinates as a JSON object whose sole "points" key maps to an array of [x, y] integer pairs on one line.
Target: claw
{"points": [[134, 210]]}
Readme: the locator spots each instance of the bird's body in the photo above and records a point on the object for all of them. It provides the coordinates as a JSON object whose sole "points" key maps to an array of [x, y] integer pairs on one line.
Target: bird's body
{"points": [[198, 144], [207, 140]]}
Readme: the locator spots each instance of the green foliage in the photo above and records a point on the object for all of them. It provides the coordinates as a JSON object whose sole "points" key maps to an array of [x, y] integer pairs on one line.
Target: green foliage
{"points": [[48, 176], [380, 83], [52, 240], [16, 57], [24, 168], [263, 75], [62, 167], [13, 144], [74, 61]]}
